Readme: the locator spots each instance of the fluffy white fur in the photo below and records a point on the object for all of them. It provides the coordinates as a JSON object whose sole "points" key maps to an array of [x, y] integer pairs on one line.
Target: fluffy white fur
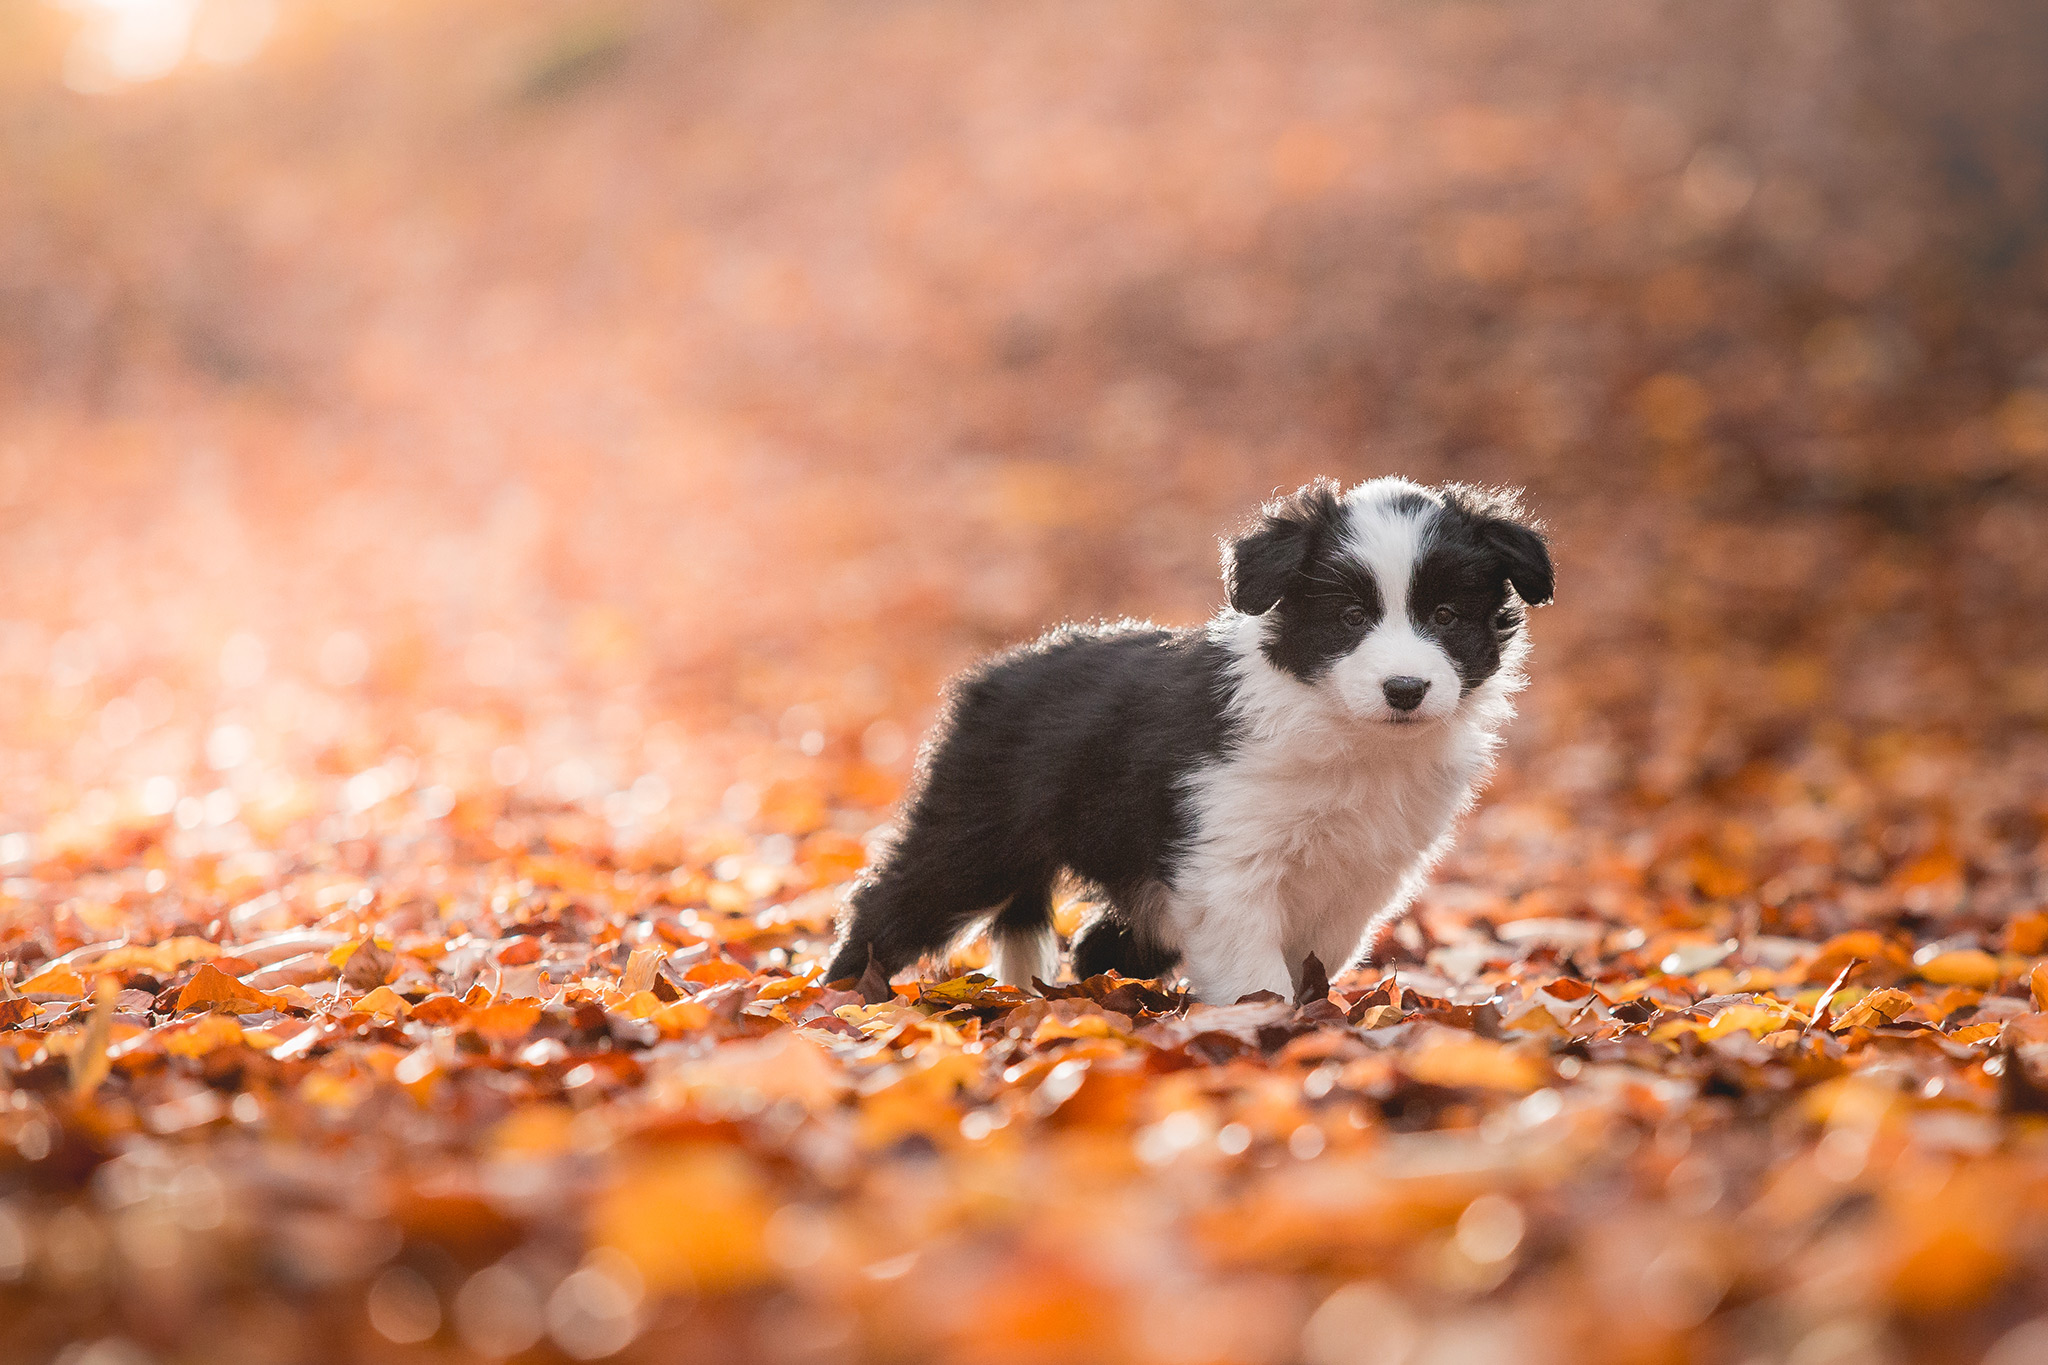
{"points": [[1323, 822], [1019, 955]]}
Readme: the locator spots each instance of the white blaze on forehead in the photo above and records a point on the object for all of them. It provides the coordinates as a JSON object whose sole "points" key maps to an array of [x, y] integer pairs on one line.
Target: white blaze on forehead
{"points": [[1390, 524], [1387, 534]]}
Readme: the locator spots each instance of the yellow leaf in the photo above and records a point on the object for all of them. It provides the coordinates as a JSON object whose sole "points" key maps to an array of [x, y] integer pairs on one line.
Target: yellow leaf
{"points": [[1081, 1026], [640, 1005], [1874, 1010], [1977, 1033], [383, 1002], [342, 952], [1756, 1019], [2038, 980], [789, 985], [1535, 1019], [1963, 967]]}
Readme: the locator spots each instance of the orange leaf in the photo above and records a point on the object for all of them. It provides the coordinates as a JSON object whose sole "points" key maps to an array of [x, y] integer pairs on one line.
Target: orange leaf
{"points": [[693, 1219], [506, 1021], [679, 1017], [198, 1036], [54, 981], [1964, 967], [436, 1010], [213, 989], [716, 970]]}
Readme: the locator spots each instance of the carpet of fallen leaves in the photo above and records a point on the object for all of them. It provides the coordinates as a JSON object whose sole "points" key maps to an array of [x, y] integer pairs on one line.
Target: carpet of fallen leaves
{"points": [[488, 493]]}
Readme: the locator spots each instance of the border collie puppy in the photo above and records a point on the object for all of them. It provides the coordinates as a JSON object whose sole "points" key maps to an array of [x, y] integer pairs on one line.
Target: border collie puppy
{"points": [[1275, 784]]}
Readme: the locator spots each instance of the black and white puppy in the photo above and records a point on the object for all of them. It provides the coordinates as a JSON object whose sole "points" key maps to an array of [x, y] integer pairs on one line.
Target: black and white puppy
{"points": [[1274, 784]]}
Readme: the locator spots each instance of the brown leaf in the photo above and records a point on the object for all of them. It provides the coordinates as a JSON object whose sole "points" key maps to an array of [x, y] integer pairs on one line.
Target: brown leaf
{"points": [[874, 983], [369, 966], [1315, 981], [1821, 1011]]}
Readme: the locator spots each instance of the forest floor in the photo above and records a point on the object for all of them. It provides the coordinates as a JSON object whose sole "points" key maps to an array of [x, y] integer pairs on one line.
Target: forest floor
{"points": [[490, 501]]}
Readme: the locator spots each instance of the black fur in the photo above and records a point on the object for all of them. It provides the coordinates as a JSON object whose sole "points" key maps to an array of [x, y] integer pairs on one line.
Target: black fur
{"points": [[1290, 562], [1476, 549], [1066, 753], [1108, 943]]}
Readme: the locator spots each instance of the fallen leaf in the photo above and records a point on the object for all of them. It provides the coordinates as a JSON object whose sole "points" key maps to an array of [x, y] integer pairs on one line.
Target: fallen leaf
{"points": [[1875, 1009], [506, 1021], [213, 989], [1822, 1014], [383, 1002], [89, 1064], [60, 981], [368, 966], [641, 970], [1964, 967]]}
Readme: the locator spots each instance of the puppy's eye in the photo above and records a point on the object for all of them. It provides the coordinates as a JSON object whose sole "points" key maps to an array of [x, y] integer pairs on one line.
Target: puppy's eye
{"points": [[1443, 616], [1353, 616]]}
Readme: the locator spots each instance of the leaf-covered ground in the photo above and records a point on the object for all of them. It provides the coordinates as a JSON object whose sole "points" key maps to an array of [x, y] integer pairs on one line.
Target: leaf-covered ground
{"points": [[490, 494]]}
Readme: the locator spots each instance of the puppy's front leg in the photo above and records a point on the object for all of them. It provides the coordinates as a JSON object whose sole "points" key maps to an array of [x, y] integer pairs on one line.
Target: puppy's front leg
{"points": [[1231, 949]]}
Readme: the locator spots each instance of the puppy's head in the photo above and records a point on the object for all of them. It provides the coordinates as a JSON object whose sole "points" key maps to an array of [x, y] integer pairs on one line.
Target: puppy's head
{"points": [[1400, 599]]}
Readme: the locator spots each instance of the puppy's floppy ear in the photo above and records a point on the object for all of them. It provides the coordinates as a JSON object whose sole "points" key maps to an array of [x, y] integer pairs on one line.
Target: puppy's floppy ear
{"points": [[1260, 560], [1502, 526], [1525, 555]]}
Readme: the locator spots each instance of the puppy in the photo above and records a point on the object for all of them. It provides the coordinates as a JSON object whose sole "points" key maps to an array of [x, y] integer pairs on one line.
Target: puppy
{"points": [[1273, 785]]}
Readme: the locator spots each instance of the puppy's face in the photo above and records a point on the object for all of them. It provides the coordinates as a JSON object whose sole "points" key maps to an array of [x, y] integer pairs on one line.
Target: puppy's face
{"points": [[1400, 600]]}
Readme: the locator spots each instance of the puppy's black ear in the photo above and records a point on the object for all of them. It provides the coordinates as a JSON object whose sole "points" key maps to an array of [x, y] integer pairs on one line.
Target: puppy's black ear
{"points": [[1525, 556], [1260, 560], [1497, 519]]}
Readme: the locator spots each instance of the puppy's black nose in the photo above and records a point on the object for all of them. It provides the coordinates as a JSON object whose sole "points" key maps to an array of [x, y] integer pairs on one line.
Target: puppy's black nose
{"points": [[1404, 694]]}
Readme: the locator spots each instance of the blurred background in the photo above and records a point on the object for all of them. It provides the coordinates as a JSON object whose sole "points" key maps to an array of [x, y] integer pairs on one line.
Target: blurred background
{"points": [[615, 408], [714, 359]]}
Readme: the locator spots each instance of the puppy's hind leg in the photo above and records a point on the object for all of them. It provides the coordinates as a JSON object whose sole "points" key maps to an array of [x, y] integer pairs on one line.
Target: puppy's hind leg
{"points": [[923, 894], [1124, 938], [1024, 945]]}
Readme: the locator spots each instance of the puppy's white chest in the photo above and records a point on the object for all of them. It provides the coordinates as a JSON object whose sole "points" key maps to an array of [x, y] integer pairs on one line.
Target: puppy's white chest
{"points": [[1324, 842], [1331, 819]]}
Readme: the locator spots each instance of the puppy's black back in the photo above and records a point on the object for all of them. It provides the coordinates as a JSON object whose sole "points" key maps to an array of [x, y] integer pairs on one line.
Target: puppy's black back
{"points": [[1070, 752]]}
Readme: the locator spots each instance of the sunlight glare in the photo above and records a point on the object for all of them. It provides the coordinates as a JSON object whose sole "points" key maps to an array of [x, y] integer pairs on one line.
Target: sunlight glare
{"points": [[127, 42]]}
